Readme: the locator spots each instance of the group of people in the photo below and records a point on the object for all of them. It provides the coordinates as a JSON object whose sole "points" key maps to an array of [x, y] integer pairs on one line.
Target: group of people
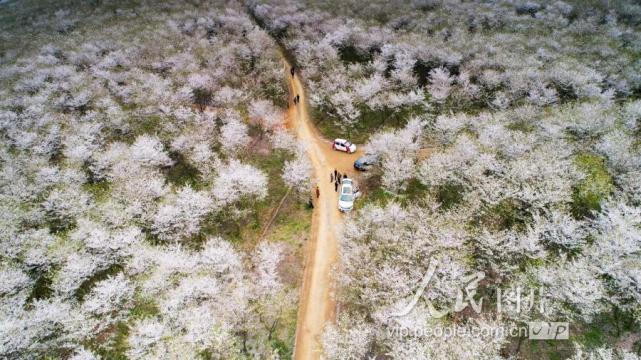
{"points": [[297, 97], [337, 178]]}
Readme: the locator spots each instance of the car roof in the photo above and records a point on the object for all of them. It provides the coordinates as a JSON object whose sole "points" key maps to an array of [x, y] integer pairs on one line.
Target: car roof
{"points": [[367, 158], [340, 140], [347, 181]]}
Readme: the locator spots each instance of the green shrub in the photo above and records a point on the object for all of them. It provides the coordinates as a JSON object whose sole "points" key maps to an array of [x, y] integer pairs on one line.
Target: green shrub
{"points": [[449, 195], [99, 190], [144, 307], [351, 55]]}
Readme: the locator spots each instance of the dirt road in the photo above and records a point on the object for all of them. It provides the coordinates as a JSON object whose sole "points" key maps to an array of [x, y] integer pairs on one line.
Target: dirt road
{"points": [[317, 305]]}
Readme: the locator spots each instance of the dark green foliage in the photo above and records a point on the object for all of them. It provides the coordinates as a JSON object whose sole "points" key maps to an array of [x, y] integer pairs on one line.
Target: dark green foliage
{"points": [[283, 349], [607, 327], [422, 71], [183, 173], [449, 195], [275, 92], [42, 287], [202, 97], [349, 54], [88, 284], [59, 223]]}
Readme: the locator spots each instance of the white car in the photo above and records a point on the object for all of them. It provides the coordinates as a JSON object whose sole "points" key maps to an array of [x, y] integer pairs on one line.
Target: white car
{"points": [[346, 196], [344, 145]]}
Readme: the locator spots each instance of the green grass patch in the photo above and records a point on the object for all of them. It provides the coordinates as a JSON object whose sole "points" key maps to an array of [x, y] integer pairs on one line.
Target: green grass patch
{"points": [[596, 187], [369, 122], [379, 197], [292, 222], [112, 343], [545, 349], [143, 125], [255, 213], [99, 190], [508, 214], [522, 126], [144, 307], [284, 351], [606, 328], [593, 337], [414, 191], [272, 164]]}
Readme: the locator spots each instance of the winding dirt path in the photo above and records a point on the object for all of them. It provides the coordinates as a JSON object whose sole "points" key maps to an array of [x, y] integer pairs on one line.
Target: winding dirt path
{"points": [[317, 304]]}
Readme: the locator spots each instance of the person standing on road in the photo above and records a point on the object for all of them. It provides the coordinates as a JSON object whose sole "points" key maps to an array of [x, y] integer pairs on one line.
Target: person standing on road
{"points": [[317, 192], [297, 98], [331, 177], [336, 185], [335, 173]]}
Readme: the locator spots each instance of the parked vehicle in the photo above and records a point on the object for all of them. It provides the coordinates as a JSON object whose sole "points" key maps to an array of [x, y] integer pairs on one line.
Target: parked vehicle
{"points": [[365, 162], [346, 196], [344, 145]]}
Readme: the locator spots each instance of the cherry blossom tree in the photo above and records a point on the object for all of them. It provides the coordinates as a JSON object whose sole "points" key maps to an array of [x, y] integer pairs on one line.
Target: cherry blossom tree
{"points": [[397, 152], [233, 135], [264, 112], [440, 84], [109, 300], [181, 218], [149, 151], [297, 173], [236, 181]]}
